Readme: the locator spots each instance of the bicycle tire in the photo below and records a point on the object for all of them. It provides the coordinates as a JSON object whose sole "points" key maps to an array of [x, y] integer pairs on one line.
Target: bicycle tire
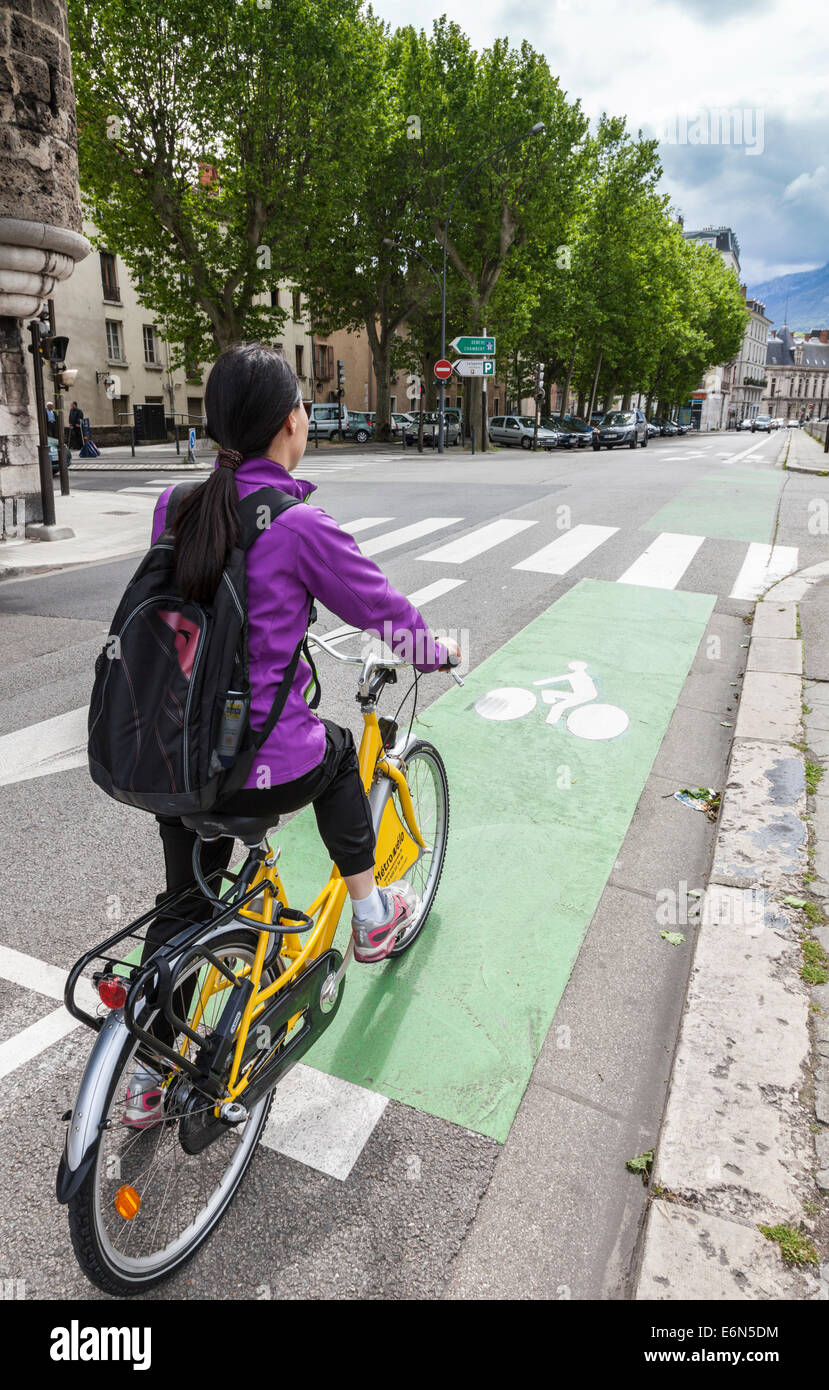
{"points": [[87, 1244], [422, 748]]}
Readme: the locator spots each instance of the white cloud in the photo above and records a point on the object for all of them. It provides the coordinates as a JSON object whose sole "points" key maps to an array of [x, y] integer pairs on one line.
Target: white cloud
{"points": [[809, 186]]}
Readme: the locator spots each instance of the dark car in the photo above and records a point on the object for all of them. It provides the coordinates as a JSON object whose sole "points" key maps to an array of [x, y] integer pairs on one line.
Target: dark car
{"points": [[761, 422], [667, 427], [572, 432], [621, 427]]}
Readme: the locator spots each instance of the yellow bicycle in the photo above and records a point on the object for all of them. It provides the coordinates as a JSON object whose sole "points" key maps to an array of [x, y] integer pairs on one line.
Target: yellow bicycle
{"points": [[245, 992]]}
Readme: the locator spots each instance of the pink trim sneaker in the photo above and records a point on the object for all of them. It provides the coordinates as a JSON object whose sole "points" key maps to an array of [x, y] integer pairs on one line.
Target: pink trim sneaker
{"points": [[375, 941], [145, 1101]]}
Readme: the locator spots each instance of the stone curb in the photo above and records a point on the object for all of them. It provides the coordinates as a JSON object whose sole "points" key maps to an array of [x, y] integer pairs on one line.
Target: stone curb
{"points": [[736, 1149]]}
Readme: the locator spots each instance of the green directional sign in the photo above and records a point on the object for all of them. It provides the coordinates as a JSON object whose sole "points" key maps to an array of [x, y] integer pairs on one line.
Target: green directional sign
{"points": [[474, 347]]}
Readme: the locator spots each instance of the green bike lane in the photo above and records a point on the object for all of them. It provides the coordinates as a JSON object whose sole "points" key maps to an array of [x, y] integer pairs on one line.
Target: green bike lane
{"points": [[538, 815]]}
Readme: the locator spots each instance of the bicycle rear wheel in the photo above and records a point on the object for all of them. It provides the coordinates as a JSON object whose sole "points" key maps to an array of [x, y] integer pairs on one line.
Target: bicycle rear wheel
{"points": [[182, 1190], [429, 789]]}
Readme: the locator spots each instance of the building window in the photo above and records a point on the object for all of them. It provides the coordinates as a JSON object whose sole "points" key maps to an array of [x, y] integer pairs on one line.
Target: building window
{"points": [[299, 354], [274, 299], [115, 349], [297, 306], [325, 362], [150, 346], [109, 279]]}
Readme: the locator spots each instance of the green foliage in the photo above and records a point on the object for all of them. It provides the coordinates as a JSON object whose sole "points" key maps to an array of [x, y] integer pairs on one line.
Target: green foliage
{"points": [[795, 1248], [225, 147]]}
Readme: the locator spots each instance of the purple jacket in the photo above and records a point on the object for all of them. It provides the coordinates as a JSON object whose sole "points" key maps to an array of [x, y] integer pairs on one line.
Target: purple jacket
{"points": [[304, 552]]}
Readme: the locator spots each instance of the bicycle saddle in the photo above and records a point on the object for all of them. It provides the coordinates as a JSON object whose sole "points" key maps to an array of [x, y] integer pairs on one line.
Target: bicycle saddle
{"points": [[211, 825]]}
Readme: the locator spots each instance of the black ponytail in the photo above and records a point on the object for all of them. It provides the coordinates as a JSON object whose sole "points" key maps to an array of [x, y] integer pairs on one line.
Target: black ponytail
{"points": [[250, 393]]}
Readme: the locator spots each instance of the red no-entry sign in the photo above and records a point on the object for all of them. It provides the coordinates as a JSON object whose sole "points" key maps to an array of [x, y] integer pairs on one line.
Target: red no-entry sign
{"points": [[443, 369]]}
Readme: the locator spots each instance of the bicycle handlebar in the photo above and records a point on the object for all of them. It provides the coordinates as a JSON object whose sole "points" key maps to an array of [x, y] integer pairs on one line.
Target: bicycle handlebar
{"points": [[370, 663]]}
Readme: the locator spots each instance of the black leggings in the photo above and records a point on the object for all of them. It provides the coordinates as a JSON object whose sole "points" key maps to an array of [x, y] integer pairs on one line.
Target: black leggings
{"points": [[343, 820]]}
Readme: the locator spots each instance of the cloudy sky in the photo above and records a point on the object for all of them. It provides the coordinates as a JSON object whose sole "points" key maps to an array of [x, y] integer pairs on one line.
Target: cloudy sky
{"points": [[666, 65]]}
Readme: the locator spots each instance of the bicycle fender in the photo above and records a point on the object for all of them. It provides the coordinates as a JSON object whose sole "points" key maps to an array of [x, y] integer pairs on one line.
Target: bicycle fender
{"points": [[85, 1126], [88, 1114], [381, 789]]}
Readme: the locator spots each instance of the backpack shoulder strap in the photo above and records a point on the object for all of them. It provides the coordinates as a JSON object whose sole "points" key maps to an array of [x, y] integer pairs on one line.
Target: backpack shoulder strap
{"points": [[251, 516], [176, 498]]}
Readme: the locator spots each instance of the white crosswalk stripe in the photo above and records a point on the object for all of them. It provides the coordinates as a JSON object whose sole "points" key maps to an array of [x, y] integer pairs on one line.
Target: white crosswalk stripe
{"points": [[664, 562], [561, 555], [763, 566], [479, 540], [418, 599], [364, 523], [378, 544]]}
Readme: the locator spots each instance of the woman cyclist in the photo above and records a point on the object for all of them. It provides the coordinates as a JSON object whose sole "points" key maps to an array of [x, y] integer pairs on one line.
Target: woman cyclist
{"points": [[255, 413]]}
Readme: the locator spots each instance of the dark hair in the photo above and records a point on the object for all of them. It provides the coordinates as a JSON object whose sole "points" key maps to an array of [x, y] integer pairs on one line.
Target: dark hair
{"points": [[250, 393]]}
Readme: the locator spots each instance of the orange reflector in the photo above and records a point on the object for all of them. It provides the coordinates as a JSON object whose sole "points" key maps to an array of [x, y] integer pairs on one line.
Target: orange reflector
{"points": [[127, 1202]]}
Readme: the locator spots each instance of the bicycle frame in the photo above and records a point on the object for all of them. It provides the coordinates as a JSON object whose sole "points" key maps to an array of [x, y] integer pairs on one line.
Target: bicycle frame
{"points": [[399, 844]]}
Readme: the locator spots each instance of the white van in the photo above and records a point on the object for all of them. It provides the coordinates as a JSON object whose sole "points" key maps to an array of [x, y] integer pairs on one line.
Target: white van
{"points": [[324, 419]]}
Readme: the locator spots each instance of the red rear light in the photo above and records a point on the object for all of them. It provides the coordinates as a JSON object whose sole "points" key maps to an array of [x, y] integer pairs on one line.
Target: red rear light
{"points": [[112, 991]]}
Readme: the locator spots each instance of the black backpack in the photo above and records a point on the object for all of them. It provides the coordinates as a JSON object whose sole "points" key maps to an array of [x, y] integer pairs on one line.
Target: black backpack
{"points": [[169, 730]]}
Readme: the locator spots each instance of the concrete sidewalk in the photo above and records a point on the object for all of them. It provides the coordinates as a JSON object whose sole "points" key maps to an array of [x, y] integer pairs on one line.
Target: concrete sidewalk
{"points": [[749, 1097], [805, 452], [106, 525]]}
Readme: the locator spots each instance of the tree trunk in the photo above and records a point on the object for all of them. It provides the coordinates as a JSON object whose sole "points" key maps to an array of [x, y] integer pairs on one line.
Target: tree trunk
{"points": [[565, 390], [595, 384]]}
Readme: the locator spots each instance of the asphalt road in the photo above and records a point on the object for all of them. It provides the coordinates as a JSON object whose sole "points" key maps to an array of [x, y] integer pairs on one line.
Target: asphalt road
{"points": [[436, 1206]]}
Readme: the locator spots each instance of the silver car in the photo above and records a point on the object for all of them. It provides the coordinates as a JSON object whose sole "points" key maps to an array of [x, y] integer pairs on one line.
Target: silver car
{"points": [[324, 420], [520, 429]]}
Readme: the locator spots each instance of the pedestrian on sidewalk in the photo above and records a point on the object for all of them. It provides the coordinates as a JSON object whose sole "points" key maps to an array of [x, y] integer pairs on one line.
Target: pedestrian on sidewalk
{"points": [[51, 421], [75, 427]]}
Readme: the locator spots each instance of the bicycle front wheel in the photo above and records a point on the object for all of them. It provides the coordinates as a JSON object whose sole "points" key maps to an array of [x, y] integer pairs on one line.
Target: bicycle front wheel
{"points": [[429, 789], [152, 1196]]}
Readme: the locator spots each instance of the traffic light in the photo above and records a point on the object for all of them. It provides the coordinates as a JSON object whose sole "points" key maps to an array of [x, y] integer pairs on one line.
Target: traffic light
{"points": [[340, 378], [539, 383]]}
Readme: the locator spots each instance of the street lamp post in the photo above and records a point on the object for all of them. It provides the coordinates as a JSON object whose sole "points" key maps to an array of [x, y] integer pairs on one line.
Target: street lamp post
{"points": [[516, 140]]}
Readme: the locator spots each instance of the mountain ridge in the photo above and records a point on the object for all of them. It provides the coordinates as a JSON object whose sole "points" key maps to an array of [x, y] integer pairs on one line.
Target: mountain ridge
{"points": [[808, 299]]}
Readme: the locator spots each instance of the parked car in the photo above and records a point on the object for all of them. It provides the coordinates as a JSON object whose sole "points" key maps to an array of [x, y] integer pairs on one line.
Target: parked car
{"points": [[680, 429], [53, 454], [744, 425], [761, 422], [324, 420], [621, 427], [520, 429], [572, 432], [360, 426], [431, 430], [653, 429]]}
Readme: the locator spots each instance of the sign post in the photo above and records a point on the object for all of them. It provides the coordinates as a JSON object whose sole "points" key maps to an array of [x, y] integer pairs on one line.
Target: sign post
{"points": [[191, 445]]}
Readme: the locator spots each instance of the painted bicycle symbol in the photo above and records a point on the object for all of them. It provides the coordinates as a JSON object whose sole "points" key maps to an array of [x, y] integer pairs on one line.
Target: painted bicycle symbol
{"points": [[586, 720]]}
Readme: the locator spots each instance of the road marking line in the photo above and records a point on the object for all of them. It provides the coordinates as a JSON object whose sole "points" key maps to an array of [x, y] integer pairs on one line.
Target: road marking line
{"points": [[378, 544], [664, 562], [418, 599], [364, 523], [39, 976], [322, 1121], [764, 565], [484, 538], [52, 745], [25, 1046], [562, 554]]}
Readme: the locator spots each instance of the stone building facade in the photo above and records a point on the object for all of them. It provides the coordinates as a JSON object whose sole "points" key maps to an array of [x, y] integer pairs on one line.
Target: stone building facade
{"points": [[40, 219], [797, 372]]}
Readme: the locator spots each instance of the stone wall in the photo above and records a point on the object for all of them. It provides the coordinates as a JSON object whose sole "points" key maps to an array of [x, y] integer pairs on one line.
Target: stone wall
{"points": [[40, 216]]}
